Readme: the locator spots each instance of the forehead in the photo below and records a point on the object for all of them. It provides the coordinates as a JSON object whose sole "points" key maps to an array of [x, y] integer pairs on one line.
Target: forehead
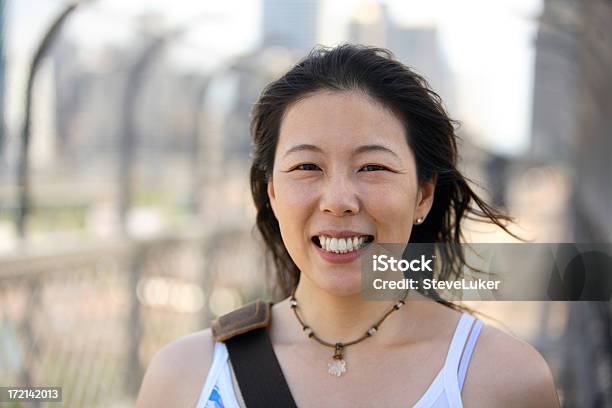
{"points": [[335, 119]]}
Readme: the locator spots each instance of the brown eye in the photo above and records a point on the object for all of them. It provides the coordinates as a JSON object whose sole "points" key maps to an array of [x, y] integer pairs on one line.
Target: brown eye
{"points": [[307, 167], [373, 167]]}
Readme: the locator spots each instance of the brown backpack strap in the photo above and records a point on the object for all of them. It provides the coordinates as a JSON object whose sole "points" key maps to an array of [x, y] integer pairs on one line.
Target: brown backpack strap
{"points": [[249, 317], [259, 375]]}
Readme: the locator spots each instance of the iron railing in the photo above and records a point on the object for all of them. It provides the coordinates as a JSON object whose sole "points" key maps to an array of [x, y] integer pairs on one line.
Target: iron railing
{"points": [[90, 318]]}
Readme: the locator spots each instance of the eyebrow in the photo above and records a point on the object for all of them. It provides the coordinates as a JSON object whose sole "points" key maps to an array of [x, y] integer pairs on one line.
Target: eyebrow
{"points": [[359, 150], [302, 147], [375, 148]]}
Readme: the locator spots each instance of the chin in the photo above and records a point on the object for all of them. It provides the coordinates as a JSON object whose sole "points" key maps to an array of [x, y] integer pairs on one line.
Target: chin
{"points": [[339, 283]]}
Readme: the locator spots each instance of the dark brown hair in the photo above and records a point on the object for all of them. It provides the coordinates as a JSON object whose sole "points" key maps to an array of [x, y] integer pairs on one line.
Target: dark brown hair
{"points": [[430, 134]]}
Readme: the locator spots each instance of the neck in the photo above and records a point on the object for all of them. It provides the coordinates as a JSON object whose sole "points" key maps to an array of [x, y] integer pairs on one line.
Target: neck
{"points": [[341, 318]]}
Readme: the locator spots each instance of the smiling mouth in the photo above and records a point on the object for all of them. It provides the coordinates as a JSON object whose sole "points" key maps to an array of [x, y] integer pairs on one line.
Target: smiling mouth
{"points": [[342, 245]]}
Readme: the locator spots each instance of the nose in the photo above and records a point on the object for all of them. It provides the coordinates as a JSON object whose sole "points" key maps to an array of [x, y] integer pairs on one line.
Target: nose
{"points": [[339, 196]]}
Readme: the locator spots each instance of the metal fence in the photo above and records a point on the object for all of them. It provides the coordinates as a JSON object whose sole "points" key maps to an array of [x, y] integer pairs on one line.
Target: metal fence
{"points": [[90, 319]]}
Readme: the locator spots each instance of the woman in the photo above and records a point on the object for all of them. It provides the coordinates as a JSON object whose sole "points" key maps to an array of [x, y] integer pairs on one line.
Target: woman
{"points": [[351, 147]]}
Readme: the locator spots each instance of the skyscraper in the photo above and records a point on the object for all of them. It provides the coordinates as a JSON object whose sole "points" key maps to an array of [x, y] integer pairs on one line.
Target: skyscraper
{"points": [[554, 93], [417, 46], [290, 23]]}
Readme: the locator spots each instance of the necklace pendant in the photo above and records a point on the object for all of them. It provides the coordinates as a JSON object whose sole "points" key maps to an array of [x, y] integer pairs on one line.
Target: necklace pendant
{"points": [[337, 367]]}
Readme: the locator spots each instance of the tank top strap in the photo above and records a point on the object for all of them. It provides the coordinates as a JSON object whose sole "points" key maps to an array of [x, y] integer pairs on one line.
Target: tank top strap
{"points": [[453, 359], [467, 353], [219, 363], [458, 342]]}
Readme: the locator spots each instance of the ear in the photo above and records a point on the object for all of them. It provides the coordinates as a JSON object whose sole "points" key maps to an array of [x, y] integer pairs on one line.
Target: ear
{"points": [[272, 196], [425, 197]]}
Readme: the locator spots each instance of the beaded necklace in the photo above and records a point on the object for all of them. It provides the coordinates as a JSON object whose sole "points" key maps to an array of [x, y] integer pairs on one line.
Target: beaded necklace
{"points": [[338, 366]]}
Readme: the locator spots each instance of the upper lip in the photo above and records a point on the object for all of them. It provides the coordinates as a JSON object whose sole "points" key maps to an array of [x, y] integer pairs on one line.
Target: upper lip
{"points": [[340, 234]]}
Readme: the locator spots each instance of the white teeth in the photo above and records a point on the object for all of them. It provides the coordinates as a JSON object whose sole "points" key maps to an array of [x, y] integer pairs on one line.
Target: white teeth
{"points": [[333, 245], [341, 245]]}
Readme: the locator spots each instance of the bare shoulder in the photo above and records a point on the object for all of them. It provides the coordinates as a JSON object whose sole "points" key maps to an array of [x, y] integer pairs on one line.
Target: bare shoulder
{"points": [[177, 372], [506, 371]]}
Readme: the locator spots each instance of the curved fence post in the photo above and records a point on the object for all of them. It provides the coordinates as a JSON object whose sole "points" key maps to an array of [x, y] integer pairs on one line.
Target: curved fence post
{"points": [[23, 171]]}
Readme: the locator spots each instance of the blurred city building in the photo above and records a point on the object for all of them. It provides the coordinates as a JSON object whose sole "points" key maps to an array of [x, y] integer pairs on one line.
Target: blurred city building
{"points": [[556, 70], [418, 47], [589, 360], [224, 124], [290, 23], [572, 124], [592, 141]]}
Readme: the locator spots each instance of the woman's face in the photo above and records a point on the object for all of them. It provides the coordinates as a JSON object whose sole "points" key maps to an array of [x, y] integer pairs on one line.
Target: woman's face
{"points": [[343, 175]]}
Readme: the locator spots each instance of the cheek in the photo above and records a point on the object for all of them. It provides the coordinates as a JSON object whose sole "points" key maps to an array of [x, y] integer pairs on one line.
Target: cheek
{"points": [[294, 197], [294, 203], [392, 206]]}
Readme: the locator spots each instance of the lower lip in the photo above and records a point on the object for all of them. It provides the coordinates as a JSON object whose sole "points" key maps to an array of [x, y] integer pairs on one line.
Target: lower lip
{"points": [[339, 258]]}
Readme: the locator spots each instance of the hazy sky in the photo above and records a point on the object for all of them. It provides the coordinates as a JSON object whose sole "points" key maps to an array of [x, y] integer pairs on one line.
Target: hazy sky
{"points": [[489, 45]]}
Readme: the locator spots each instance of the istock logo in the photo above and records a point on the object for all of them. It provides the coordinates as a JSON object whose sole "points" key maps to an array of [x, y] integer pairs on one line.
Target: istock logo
{"points": [[383, 263]]}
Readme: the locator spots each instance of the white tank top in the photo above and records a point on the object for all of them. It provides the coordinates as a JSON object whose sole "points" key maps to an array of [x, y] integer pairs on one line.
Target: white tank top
{"points": [[444, 391]]}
